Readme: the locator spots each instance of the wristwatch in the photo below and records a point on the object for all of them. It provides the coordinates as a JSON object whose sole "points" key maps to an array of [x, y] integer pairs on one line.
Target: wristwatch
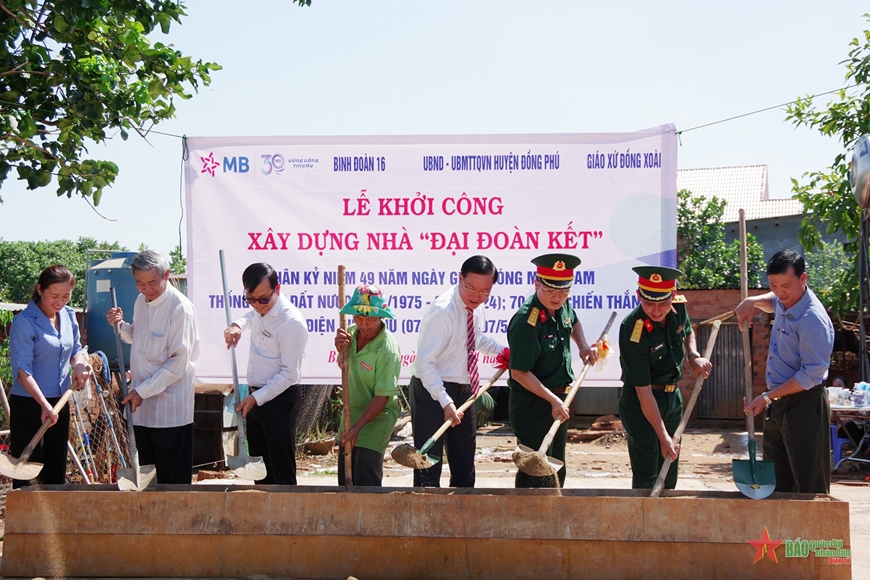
{"points": [[694, 354], [766, 398]]}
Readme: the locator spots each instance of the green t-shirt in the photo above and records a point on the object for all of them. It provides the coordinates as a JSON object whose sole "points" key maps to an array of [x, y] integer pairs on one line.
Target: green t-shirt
{"points": [[541, 343], [374, 372], [652, 353]]}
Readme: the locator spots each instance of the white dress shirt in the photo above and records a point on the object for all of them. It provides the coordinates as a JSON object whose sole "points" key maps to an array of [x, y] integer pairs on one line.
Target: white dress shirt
{"points": [[278, 341], [163, 358], [441, 344]]}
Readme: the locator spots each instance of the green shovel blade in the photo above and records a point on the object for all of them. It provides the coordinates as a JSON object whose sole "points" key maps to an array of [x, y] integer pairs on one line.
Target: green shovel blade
{"points": [[755, 479]]}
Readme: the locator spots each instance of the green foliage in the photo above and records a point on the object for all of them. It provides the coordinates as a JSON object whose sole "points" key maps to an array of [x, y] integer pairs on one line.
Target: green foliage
{"points": [[5, 365], [825, 194], [76, 71], [825, 267], [177, 261], [22, 262], [702, 254]]}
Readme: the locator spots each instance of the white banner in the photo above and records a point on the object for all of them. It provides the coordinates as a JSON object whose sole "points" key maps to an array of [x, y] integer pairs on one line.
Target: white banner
{"points": [[405, 212]]}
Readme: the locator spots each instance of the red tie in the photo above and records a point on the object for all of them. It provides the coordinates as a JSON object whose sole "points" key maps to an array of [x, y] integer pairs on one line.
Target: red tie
{"points": [[473, 376]]}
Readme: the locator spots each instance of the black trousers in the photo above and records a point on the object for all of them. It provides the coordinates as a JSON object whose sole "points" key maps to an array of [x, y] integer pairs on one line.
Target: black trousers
{"points": [[460, 442], [797, 438], [168, 448], [367, 467], [24, 422], [272, 436]]}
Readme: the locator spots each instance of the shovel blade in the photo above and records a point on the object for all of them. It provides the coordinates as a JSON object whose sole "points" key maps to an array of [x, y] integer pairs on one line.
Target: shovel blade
{"points": [[409, 456], [756, 491], [533, 463], [761, 485], [130, 480], [10, 467], [247, 467]]}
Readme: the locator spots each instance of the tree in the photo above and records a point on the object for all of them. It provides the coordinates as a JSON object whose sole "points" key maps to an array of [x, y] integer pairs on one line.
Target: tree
{"points": [[825, 266], [826, 194], [177, 261], [74, 71], [702, 254], [22, 262]]}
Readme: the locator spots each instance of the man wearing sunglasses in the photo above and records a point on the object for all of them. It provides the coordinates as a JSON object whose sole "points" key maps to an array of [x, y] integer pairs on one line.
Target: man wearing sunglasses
{"points": [[279, 336]]}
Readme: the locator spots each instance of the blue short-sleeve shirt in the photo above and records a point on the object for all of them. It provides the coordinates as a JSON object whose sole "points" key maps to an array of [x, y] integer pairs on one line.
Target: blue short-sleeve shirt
{"points": [[42, 351]]}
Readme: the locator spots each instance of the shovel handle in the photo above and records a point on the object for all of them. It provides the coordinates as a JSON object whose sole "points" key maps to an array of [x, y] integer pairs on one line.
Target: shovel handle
{"points": [[678, 434], [464, 407], [25, 455], [122, 374], [345, 389], [551, 434], [720, 317], [243, 439], [119, 346]]}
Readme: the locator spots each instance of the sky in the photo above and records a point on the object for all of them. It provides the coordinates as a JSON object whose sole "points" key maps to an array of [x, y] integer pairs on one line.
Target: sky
{"points": [[343, 67]]}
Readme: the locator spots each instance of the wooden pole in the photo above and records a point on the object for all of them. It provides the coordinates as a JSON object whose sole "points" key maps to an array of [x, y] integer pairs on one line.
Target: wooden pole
{"points": [[345, 390], [747, 350]]}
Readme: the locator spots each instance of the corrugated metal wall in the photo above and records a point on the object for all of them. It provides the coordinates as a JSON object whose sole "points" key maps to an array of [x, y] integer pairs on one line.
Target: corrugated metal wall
{"points": [[722, 394]]}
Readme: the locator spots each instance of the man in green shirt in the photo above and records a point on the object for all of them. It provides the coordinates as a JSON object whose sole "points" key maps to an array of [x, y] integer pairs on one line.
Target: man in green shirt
{"points": [[653, 342], [373, 363], [539, 338]]}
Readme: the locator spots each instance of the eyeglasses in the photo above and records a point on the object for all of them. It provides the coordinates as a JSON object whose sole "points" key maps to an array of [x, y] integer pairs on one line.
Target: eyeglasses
{"points": [[556, 291], [264, 301], [470, 290]]}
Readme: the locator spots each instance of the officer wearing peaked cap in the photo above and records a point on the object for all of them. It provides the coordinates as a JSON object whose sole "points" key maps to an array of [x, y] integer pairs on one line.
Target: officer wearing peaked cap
{"points": [[654, 339], [539, 337]]}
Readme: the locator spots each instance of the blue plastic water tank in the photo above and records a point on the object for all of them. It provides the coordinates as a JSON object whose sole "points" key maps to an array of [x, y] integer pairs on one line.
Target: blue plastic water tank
{"points": [[103, 274]]}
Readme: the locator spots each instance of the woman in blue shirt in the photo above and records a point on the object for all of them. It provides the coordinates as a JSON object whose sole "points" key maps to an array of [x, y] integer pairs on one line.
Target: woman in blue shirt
{"points": [[43, 342]]}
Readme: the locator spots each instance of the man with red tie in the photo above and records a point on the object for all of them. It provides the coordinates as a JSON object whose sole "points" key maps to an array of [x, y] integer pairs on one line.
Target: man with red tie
{"points": [[445, 372]]}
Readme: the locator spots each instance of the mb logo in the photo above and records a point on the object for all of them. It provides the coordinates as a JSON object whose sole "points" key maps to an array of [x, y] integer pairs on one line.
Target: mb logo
{"points": [[230, 164]]}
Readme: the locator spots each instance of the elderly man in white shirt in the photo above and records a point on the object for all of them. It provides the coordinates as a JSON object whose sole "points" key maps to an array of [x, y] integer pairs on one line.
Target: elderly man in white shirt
{"points": [[445, 372], [163, 365], [279, 335]]}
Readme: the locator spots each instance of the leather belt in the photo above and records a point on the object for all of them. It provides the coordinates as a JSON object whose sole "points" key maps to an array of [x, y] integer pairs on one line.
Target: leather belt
{"points": [[803, 392], [561, 390], [665, 388]]}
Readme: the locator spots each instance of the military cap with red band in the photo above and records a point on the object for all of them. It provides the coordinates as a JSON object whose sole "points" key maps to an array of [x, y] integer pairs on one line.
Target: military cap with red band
{"points": [[656, 283], [556, 270]]}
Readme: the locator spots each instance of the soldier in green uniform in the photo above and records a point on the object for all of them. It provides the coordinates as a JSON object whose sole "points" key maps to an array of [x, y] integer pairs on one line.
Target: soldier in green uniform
{"points": [[539, 337], [654, 339]]}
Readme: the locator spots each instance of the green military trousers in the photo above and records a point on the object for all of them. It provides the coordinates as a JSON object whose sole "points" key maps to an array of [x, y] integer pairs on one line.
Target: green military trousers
{"points": [[644, 450]]}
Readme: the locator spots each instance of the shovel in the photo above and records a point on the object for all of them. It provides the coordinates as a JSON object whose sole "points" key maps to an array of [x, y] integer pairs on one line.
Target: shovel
{"points": [[243, 465], [678, 434], [19, 468], [754, 479], [135, 477], [405, 454], [537, 463]]}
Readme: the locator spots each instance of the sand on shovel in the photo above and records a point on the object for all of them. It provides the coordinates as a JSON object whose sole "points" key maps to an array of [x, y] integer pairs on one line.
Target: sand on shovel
{"points": [[530, 462], [406, 455]]}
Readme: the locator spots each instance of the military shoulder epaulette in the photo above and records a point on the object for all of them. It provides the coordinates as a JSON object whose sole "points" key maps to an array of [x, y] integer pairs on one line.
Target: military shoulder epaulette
{"points": [[532, 320], [680, 299], [637, 331]]}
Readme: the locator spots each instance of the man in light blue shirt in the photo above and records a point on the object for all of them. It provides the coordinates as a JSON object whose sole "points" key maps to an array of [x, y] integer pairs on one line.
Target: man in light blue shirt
{"points": [[797, 430]]}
